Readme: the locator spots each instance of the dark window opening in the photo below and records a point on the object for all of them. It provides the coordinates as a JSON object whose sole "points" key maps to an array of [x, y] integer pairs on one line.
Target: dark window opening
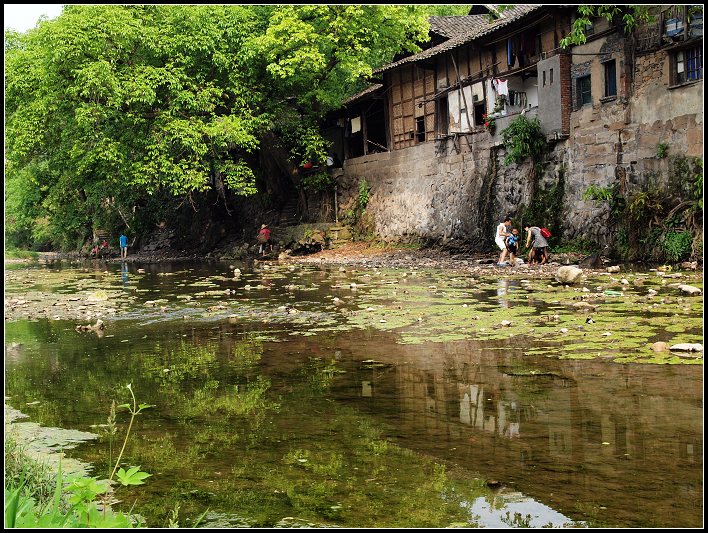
{"points": [[610, 78], [376, 130], [550, 77], [479, 108], [443, 122], [584, 94], [420, 129]]}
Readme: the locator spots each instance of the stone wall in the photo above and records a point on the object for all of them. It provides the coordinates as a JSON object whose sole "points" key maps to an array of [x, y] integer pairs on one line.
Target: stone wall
{"points": [[616, 142], [416, 193]]}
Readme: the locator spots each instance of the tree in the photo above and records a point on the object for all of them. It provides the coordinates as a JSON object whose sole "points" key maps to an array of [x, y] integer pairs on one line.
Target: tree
{"points": [[631, 16], [112, 109]]}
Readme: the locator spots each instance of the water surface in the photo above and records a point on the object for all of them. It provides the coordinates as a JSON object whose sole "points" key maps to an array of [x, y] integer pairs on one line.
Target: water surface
{"points": [[314, 396]]}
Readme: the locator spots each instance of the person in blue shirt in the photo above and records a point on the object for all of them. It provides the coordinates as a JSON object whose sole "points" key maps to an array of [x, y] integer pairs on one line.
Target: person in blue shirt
{"points": [[512, 245], [123, 246]]}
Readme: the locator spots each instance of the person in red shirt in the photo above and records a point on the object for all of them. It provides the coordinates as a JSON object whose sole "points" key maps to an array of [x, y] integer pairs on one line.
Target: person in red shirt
{"points": [[264, 239]]}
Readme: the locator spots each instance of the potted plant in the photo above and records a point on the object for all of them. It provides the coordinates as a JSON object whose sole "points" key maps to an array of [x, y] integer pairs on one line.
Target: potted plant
{"points": [[490, 123]]}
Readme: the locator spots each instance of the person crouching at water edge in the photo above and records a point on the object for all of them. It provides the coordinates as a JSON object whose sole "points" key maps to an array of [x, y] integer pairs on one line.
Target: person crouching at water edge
{"points": [[500, 236], [539, 250]]}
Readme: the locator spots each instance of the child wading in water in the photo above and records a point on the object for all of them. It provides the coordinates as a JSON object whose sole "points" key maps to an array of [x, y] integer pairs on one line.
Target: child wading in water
{"points": [[512, 245]]}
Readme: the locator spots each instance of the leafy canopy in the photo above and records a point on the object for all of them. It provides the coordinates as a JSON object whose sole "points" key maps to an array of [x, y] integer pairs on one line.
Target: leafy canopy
{"points": [[110, 107], [631, 16]]}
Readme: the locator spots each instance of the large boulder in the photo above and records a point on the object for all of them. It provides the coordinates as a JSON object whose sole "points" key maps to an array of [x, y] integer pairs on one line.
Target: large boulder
{"points": [[568, 275], [690, 290]]}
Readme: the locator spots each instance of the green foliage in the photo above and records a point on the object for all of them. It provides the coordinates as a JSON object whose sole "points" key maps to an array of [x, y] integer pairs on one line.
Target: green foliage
{"points": [[609, 194], [20, 254], [517, 520], [543, 209], [36, 478], [599, 194], [677, 245], [579, 246], [662, 150], [133, 476], [645, 203], [318, 181], [657, 222], [447, 10], [315, 52], [362, 199], [37, 498], [134, 410], [631, 16], [697, 184], [523, 138], [74, 503], [116, 112], [357, 217]]}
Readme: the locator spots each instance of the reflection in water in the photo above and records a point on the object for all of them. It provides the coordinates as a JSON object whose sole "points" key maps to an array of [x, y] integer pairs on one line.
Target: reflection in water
{"points": [[124, 274], [504, 288], [515, 510], [595, 441]]}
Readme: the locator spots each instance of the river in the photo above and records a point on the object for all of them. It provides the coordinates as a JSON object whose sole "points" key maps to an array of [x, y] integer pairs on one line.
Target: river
{"points": [[321, 396]]}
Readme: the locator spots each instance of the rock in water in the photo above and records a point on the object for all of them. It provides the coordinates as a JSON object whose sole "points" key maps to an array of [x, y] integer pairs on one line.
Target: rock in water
{"points": [[690, 290], [569, 275], [686, 347], [591, 261], [659, 346]]}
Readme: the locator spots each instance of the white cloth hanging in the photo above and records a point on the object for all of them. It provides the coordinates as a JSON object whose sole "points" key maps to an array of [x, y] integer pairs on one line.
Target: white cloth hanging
{"points": [[501, 86]]}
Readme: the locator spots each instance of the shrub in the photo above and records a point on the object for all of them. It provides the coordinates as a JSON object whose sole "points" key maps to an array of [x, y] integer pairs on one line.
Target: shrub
{"points": [[523, 138], [677, 245]]}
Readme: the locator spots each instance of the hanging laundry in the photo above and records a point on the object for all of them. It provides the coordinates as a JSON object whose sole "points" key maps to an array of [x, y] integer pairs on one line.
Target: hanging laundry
{"points": [[500, 85], [516, 50], [510, 52]]}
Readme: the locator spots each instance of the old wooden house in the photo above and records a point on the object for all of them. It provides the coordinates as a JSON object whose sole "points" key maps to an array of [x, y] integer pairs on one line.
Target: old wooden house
{"points": [[426, 137]]}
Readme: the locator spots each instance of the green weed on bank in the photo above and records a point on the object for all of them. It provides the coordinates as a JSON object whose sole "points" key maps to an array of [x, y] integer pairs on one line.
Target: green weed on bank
{"points": [[34, 497], [15, 253]]}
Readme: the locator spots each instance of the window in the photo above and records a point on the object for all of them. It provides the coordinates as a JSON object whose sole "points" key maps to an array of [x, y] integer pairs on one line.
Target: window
{"points": [[584, 96], [420, 129], [688, 65], [610, 78], [550, 77]]}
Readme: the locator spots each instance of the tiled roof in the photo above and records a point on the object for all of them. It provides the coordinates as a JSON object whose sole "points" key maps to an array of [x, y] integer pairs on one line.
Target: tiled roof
{"points": [[454, 26], [360, 94], [474, 32]]}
